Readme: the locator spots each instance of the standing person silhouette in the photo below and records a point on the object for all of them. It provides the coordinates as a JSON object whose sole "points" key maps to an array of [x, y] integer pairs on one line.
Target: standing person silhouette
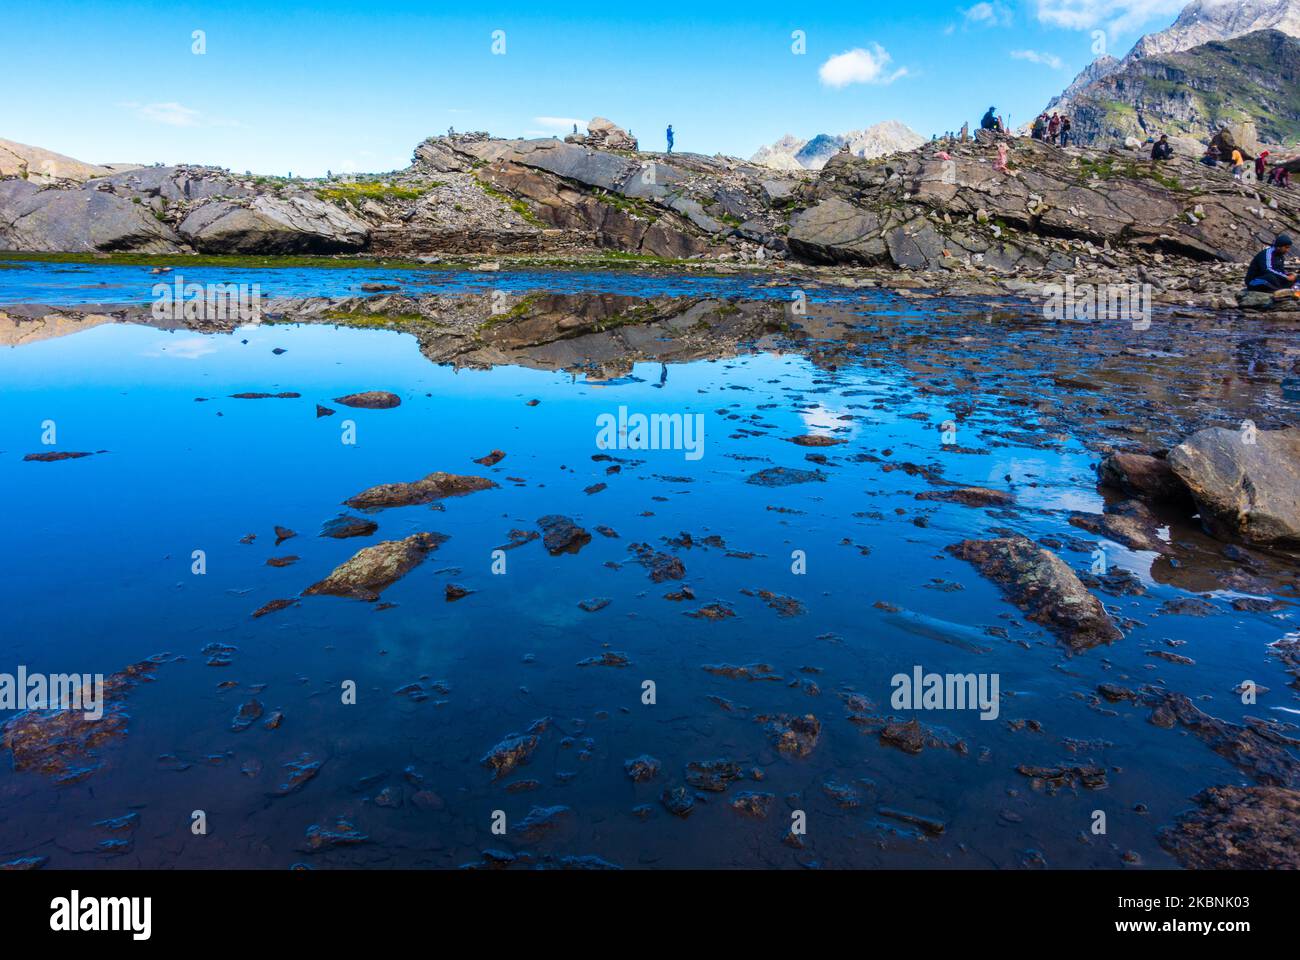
{"points": [[670, 138]]}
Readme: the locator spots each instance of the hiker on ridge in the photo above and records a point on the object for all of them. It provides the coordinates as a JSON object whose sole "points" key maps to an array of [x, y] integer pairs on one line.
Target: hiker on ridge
{"points": [[670, 138], [1053, 129], [1065, 130], [990, 121], [1163, 150]]}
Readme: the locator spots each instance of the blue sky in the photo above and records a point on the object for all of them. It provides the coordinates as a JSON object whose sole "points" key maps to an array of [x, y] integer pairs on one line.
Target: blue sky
{"points": [[306, 87]]}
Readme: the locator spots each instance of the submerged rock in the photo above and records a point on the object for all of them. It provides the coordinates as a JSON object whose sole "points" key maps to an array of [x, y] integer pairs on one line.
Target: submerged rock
{"points": [[1246, 483], [1043, 585], [661, 566], [342, 832], [510, 753], [273, 605], [435, 486], [753, 804], [713, 775], [785, 477], [642, 768], [65, 745], [1245, 828], [300, 770], [969, 496], [370, 400], [56, 456], [678, 800], [342, 527], [794, 736], [562, 535], [375, 568]]}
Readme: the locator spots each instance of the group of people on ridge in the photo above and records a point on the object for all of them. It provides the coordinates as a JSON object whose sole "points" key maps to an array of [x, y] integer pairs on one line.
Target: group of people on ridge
{"points": [[1275, 175], [1054, 129]]}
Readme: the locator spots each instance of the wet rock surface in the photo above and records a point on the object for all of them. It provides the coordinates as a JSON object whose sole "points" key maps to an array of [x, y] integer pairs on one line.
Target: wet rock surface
{"points": [[376, 568], [433, 487], [1044, 586], [1238, 828]]}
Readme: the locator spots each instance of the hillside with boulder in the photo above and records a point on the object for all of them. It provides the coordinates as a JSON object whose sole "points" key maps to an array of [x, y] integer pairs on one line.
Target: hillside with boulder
{"points": [[944, 207]]}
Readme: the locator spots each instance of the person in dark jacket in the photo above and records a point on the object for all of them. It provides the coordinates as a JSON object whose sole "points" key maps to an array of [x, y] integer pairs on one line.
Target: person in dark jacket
{"points": [[1065, 130], [1211, 156], [990, 121], [1163, 149], [1267, 272]]}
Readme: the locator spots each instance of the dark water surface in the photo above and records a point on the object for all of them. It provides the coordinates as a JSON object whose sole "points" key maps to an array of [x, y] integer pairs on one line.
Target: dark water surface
{"points": [[98, 576]]}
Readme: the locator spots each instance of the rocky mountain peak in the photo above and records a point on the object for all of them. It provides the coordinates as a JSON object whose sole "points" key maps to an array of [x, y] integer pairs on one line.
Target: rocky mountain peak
{"points": [[1203, 21]]}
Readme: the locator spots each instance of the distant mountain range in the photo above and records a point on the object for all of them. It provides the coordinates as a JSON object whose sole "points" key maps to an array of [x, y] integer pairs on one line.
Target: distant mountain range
{"points": [[880, 140], [1220, 62]]}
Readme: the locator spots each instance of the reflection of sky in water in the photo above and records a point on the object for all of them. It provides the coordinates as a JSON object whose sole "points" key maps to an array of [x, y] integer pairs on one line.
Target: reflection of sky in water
{"points": [[68, 284], [102, 579]]}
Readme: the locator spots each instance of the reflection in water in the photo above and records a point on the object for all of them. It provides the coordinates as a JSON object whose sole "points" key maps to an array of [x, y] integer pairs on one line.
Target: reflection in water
{"points": [[747, 605]]}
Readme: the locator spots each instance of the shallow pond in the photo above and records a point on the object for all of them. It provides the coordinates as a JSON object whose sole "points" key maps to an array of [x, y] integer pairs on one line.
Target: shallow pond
{"points": [[99, 574]]}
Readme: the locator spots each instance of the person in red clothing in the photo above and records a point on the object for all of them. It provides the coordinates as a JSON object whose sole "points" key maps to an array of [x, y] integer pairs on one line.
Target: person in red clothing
{"points": [[1053, 128], [1261, 165]]}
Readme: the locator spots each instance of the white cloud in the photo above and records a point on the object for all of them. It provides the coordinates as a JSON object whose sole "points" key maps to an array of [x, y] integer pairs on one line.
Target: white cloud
{"points": [[169, 114], [1117, 16], [1033, 56], [860, 66], [993, 14]]}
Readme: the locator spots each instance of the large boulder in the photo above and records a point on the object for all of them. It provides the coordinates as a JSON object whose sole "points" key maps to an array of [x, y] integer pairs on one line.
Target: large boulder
{"points": [[1246, 482], [273, 225], [1237, 136], [43, 166], [77, 221], [836, 231]]}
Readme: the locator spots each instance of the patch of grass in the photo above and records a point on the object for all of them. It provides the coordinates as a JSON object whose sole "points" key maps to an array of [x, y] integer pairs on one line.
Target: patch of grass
{"points": [[514, 203], [520, 309], [357, 193], [372, 321]]}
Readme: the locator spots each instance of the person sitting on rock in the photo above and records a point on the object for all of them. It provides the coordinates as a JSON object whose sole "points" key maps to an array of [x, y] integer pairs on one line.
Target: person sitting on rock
{"points": [[1211, 156], [990, 120], [1039, 128], [670, 138], [1279, 176], [1163, 150], [1267, 271]]}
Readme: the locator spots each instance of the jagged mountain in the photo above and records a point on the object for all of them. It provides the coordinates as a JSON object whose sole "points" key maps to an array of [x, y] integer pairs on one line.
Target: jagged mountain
{"points": [[1205, 21], [1099, 69], [1133, 96], [1196, 92], [882, 139]]}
